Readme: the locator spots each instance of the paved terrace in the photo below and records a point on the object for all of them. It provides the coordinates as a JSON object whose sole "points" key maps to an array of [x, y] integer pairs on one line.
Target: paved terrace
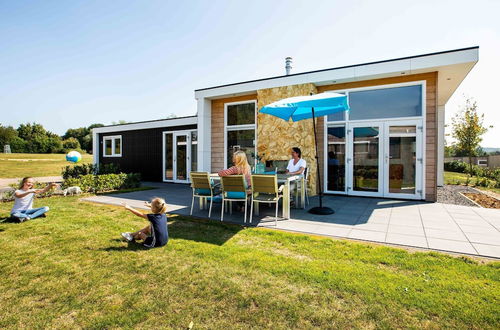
{"points": [[433, 226]]}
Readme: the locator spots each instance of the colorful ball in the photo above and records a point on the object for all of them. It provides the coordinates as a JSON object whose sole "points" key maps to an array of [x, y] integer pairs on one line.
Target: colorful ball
{"points": [[73, 156]]}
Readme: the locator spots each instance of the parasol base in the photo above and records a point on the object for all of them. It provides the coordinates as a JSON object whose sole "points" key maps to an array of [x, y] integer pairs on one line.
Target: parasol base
{"points": [[321, 210]]}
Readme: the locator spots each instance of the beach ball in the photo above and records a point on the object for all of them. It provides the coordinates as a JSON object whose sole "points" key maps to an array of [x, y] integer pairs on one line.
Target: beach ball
{"points": [[73, 156]]}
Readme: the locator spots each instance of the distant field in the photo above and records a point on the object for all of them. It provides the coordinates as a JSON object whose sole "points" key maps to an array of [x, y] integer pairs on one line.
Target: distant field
{"points": [[20, 165]]}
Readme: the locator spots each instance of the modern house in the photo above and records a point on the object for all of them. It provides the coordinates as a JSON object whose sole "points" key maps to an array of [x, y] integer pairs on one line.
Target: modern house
{"points": [[390, 144]]}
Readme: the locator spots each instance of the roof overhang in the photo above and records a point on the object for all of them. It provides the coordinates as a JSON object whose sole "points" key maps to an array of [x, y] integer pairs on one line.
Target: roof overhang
{"points": [[452, 67], [183, 121]]}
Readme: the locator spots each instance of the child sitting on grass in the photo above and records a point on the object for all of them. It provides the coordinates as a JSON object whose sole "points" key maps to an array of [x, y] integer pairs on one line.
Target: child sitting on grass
{"points": [[23, 201], [156, 233]]}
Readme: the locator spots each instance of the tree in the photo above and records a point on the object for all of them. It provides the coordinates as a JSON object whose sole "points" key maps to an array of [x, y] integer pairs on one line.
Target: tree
{"points": [[7, 135], [120, 122], [70, 144], [83, 135], [468, 129]]}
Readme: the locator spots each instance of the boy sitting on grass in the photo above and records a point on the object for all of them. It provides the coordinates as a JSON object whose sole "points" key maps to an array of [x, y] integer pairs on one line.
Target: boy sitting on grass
{"points": [[156, 233], [23, 201]]}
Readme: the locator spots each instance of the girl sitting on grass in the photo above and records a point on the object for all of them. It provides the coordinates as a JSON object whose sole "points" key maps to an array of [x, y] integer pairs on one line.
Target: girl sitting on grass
{"points": [[156, 233], [23, 201]]}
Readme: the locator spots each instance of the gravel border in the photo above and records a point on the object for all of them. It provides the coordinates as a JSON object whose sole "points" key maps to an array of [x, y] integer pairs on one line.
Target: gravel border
{"points": [[450, 194]]}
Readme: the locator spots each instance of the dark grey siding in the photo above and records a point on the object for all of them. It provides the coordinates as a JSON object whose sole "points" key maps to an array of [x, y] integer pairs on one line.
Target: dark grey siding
{"points": [[141, 151]]}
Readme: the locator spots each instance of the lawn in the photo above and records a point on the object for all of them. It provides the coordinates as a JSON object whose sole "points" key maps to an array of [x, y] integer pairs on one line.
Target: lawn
{"points": [[21, 165], [461, 178], [70, 270]]}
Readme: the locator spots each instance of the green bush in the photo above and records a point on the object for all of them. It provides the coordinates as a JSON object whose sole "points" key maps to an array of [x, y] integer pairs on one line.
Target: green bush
{"points": [[104, 182], [76, 171], [110, 168], [456, 166]]}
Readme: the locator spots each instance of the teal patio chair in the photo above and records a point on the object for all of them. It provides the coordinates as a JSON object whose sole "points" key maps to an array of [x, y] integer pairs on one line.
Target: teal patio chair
{"points": [[233, 190], [203, 188], [265, 190]]}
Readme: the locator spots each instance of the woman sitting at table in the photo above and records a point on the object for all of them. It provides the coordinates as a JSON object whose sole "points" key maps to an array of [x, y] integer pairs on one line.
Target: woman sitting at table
{"points": [[240, 167], [296, 165]]}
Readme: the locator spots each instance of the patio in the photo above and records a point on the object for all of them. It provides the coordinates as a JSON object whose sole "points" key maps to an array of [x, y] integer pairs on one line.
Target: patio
{"points": [[434, 226]]}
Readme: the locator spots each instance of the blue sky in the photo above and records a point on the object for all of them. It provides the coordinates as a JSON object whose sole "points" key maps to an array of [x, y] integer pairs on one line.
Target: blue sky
{"points": [[68, 64]]}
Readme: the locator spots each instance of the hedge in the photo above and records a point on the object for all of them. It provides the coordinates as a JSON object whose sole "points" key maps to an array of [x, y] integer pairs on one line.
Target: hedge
{"points": [[104, 182]]}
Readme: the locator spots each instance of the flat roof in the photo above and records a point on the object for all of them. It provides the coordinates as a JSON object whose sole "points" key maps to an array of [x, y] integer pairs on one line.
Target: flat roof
{"points": [[157, 123], [340, 67]]}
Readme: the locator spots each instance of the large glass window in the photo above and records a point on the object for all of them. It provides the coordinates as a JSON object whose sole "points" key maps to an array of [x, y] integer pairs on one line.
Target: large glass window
{"points": [[241, 114], [240, 131], [386, 103], [112, 146]]}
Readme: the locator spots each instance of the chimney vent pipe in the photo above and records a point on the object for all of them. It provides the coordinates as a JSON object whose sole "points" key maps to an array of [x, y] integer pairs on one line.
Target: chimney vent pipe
{"points": [[288, 65]]}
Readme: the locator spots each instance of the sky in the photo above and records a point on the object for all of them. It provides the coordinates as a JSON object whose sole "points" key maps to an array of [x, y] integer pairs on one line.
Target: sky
{"points": [[69, 64]]}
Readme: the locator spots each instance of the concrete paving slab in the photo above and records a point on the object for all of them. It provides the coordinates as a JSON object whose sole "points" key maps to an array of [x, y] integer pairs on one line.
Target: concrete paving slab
{"points": [[491, 238], [487, 250], [367, 235], [409, 240], [405, 230], [445, 234], [451, 246]]}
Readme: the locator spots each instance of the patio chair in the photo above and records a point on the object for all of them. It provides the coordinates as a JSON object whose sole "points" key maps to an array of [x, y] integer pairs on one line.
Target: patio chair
{"points": [[265, 190], [203, 188], [306, 178], [233, 190]]}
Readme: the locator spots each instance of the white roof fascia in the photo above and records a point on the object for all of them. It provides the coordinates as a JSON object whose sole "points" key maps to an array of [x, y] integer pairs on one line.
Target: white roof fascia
{"points": [[147, 125], [360, 72]]}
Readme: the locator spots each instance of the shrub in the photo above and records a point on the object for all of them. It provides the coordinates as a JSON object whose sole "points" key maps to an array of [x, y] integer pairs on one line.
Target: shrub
{"points": [[70, 144], [76, 171], [110, 168], [104, 182], [456, 166]]}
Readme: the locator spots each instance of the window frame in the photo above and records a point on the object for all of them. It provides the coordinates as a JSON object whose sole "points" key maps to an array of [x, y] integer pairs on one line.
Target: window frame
{"points": [[228, 128], [347, 91], [113, 139]]}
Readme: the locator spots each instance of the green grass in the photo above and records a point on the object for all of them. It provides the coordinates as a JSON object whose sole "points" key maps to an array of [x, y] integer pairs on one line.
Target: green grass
{"points": [[70, 270], [21, 165], [461, 178]]}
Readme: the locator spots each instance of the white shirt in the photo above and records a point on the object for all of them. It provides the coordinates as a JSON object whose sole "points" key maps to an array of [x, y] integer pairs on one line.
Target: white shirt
{"points": [[23, 203], [295, 167]]}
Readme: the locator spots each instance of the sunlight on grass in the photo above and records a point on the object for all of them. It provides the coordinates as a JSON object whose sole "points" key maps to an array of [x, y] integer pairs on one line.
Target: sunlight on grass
{"points": [[21, 165], [461, 178], [71, 270]]}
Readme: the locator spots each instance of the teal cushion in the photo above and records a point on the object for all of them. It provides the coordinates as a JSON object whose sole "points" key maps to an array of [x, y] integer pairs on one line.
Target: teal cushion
{"points": [[216, 199], [236, 194], [202, 191]]}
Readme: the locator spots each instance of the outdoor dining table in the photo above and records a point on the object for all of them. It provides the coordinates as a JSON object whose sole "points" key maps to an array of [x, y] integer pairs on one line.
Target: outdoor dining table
{"points": [[285, 180]]}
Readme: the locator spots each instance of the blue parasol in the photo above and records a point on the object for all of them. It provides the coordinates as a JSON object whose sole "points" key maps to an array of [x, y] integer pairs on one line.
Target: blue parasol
{"points": [[306, 107]]}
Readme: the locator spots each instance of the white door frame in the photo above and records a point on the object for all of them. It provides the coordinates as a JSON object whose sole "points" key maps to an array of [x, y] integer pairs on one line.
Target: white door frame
{"points": [[176, 134], [350, 159], [383, 161], [419, 159]]}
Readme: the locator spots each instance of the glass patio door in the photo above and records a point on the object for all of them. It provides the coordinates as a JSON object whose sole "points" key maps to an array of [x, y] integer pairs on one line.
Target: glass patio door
{"points": [[385, 159], [403, 160], [365, 159], [177, 156]]}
